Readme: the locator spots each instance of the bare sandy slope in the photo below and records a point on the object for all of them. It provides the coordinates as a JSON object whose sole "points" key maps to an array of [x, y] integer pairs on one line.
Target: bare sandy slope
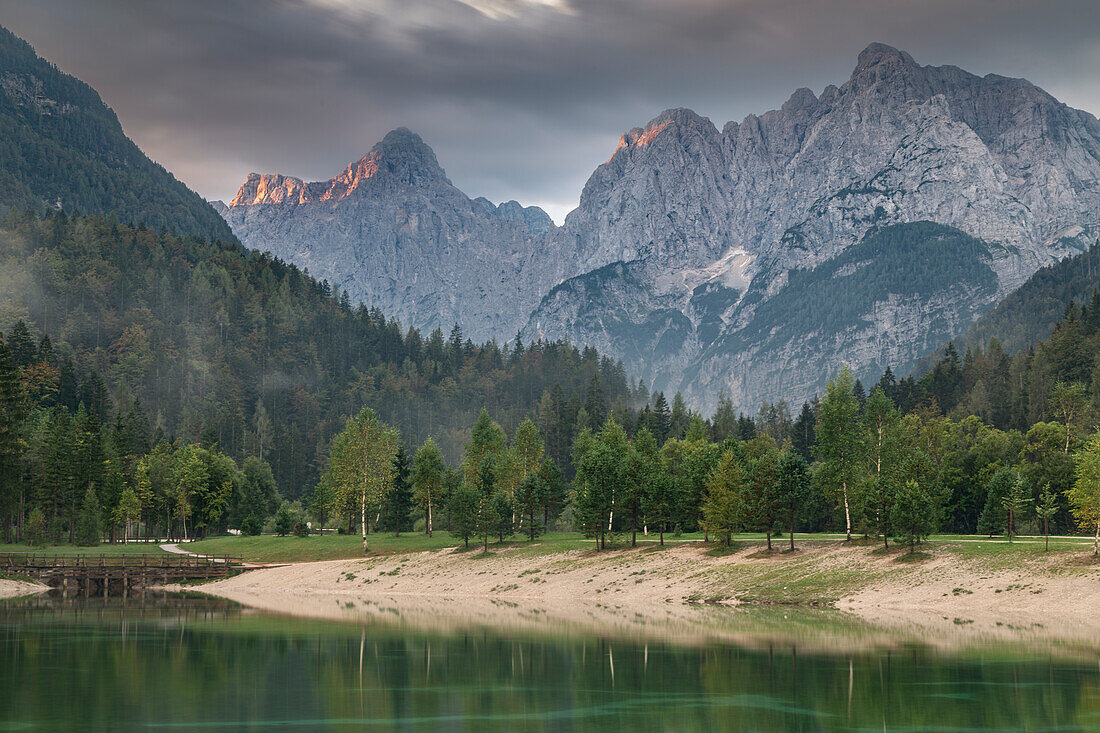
{"points": [[17, 588], [686, 595]]}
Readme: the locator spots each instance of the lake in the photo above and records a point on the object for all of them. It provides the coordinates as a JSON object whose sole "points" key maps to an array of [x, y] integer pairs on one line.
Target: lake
{"points": [[196, 664]]}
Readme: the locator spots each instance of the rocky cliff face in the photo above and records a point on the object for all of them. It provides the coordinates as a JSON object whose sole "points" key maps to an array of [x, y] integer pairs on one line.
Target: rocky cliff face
{"points": [[708, 225], [394, 232], [689, 236]]}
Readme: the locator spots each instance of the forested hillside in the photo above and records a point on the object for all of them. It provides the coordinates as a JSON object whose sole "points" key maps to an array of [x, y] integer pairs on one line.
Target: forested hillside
{"points": [[62, 147], [1030, 313], [238, 349]]}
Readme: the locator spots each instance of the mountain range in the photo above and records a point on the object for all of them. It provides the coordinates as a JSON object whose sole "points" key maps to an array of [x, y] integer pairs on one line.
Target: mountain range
{"points": [[864, 225]]}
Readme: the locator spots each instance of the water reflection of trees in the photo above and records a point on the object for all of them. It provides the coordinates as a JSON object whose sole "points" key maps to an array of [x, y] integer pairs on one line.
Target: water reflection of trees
{"points": [[107, 667]]}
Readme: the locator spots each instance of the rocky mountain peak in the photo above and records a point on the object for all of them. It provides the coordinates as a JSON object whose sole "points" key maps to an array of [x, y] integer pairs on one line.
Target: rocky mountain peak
{"points": [[404, 154], [676, 119], [880, 54]]}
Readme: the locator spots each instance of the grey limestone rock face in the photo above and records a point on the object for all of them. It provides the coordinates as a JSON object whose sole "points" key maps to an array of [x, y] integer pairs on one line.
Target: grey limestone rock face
{"points": [[393, 232], [735, 212], [687, 233]]}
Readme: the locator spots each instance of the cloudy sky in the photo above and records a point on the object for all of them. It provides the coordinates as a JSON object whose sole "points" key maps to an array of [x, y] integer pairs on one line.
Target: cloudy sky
{"points": [[519, 98]]}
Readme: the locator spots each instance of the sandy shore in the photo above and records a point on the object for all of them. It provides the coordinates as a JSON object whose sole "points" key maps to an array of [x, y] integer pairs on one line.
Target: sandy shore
{"points": [[17, 588], [686, 595]]}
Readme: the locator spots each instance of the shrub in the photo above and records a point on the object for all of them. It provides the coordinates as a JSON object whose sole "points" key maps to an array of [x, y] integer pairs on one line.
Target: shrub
{"points": [[35, 528], [252, 526], [283, 521]]}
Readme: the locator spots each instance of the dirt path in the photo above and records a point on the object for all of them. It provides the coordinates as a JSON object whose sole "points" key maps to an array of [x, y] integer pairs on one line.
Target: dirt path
{"points": [[175, 549]]}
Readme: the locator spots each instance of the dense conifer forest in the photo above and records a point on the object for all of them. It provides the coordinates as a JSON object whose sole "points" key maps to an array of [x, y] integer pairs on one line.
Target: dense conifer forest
{"points": [[211, 343], [61, 147]]}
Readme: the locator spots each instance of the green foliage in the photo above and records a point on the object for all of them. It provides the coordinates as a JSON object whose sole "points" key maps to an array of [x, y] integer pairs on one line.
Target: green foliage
{"points": [[1030, 313], [462, 510], [283, 520], [235, 346], [913, 513], [429, 471], [398, 504], [840, 444], [792, 487], [88, 531], [1084, 497], [913, 259], [62, 147], [252, 526], [35, 529], [724, 506]]}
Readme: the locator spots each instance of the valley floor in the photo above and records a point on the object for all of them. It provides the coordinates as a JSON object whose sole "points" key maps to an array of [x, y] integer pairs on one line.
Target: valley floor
{"points": [[959, 593]]}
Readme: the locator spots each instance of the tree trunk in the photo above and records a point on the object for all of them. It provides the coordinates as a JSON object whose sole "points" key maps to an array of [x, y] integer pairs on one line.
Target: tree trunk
{"points": [[768, 534], [363, 520], [1046, 533], [792, 527], [429, 517], [847, 513]]}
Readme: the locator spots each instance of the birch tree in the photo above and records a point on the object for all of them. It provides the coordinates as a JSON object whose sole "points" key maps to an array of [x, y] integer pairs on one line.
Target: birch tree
{"points": [[428, 472], [361, 464], [840, 442]]}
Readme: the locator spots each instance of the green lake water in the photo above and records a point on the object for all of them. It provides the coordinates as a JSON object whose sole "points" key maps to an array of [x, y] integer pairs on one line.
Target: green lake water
{"points": [[203, 665]]}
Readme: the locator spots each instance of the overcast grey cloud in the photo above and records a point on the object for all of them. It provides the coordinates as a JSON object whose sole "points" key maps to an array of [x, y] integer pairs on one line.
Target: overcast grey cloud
{"points": [[519, 98]]}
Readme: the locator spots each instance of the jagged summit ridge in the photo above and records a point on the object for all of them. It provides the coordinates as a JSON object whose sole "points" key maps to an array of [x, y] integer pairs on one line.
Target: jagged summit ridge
{"points": [[401, 155], [689, 238], [393, 231]]}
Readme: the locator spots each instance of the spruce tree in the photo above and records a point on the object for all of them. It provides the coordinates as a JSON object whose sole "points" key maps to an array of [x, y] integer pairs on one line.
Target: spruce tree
{"points": [[398, 504], [88, 532], [12, 413]]}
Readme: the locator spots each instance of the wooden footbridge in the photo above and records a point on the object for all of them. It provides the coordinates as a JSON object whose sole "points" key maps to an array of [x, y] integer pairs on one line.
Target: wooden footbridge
{"points": [[101, 573]]}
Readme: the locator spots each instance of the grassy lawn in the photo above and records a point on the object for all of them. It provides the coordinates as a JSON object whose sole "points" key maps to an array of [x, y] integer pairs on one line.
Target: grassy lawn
{"points": [[269, 548], [134, 548]]}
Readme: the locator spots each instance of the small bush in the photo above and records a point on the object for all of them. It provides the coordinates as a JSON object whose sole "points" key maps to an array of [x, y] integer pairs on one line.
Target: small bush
{"points": [[301, 530], [283, 521], [35, 528], [252, 526]]}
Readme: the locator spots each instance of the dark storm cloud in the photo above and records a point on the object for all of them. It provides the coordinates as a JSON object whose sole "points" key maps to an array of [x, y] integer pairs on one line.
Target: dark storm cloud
{"points": [[519, 98]]}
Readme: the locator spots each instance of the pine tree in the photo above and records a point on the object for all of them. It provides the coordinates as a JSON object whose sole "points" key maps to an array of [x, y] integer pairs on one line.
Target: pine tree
{"points": [[462, 511], [662, 418], [595, 403], [397, 506], [913, 513], [21, 344], [792, 486], [486, 441], [762, 498], [803, 437], [724, 503], [88, 532], [1015, 503], [12, 414]]}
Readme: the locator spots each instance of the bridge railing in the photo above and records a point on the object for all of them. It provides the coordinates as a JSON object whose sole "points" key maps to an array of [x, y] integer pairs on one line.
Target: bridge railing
{"points": [[136, 560]]}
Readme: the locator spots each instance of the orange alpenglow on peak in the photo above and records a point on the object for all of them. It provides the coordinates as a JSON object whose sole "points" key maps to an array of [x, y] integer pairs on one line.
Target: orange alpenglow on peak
{"points": [[401, 156]]}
